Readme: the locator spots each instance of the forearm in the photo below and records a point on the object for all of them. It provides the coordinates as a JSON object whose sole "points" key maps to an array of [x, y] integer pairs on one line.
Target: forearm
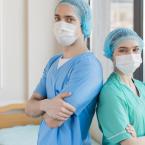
{"points": [[134, 141], [55, 108], [33, 108]]}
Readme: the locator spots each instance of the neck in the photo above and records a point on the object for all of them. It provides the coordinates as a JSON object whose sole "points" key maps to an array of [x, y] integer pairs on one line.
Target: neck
{"points": [[75, 49], [125, 78]]}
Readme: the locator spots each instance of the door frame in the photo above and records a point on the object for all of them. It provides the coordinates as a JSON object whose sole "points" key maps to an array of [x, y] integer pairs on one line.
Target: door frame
{"points": [[138, 27]]}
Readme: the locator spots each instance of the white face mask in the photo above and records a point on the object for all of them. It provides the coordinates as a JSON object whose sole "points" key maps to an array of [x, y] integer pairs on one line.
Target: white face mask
{"points": [[128, 63], [65, 33]]}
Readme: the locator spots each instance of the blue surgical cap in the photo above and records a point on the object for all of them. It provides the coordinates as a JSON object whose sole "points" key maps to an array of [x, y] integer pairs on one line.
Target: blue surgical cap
{"points": [[84, 14], [116, 37]]}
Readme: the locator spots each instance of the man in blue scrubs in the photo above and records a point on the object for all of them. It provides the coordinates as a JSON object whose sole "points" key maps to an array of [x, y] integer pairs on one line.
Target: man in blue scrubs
{"points": [[67, 92]]}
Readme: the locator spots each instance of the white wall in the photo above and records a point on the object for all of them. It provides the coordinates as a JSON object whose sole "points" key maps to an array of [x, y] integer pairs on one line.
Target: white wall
{"points": [[41, 43], [26, 44], [101, 27], [12, 50]]}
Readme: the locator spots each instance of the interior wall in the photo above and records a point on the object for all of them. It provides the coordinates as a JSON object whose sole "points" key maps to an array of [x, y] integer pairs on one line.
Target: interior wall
{"points": [[12, 51], [101, 27], [26, 44], [41, 43]]}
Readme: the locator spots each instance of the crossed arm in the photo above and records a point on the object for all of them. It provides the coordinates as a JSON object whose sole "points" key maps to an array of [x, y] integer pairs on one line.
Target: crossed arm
{"points": [[134, 140], [55, 111]]}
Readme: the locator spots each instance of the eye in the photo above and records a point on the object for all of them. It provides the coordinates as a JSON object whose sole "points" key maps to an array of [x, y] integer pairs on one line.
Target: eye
{"points": [[70, 20], [136, 50], [122, 50], [57, 19]]}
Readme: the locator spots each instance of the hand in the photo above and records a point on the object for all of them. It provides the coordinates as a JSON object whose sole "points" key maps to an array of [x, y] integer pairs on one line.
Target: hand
{"points": [[52, 123], [130, 129], [57, 108]]}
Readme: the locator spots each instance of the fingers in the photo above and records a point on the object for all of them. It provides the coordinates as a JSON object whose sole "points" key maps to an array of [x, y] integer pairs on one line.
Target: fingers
{"points": [[66, 112], [53, 123], [60, 118], [129, 125], [69, 107], [59, 109], [131, 130], [64, 95], [64, 115], [52, 116], [132, 134]]}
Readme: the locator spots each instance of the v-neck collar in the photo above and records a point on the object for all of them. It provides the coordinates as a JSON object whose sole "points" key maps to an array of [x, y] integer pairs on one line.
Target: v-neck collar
{"points": [[69, 61], [122, 83]]}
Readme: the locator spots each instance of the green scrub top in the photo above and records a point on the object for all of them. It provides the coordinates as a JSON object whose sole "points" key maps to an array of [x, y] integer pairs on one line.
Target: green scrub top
{"points": [[118, 106]]}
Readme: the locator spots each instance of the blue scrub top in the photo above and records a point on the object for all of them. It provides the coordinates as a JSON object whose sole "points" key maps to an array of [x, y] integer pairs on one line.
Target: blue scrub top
{"points": [[82, 76]]}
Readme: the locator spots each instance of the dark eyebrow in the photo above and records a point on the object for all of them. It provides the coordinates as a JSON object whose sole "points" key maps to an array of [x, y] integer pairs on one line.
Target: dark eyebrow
{"points": [[123, 47], [136, 46], [66, 16], [56, 15]]}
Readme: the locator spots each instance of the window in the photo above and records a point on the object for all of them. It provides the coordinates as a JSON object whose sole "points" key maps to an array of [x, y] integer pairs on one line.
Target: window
{"points": [[138, 27], [122, 13]]}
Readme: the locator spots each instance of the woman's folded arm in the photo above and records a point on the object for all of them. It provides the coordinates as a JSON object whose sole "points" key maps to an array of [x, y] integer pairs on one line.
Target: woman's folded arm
{"points": [[134, 141]]}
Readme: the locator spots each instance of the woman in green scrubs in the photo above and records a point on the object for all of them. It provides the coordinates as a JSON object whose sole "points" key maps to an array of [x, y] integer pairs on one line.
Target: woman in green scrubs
{"points": [[121, 107]]}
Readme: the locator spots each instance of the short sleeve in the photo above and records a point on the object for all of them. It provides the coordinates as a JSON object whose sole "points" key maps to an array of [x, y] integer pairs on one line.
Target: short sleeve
{"points": [[41, 86], [84, 83], [112, 115]]}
